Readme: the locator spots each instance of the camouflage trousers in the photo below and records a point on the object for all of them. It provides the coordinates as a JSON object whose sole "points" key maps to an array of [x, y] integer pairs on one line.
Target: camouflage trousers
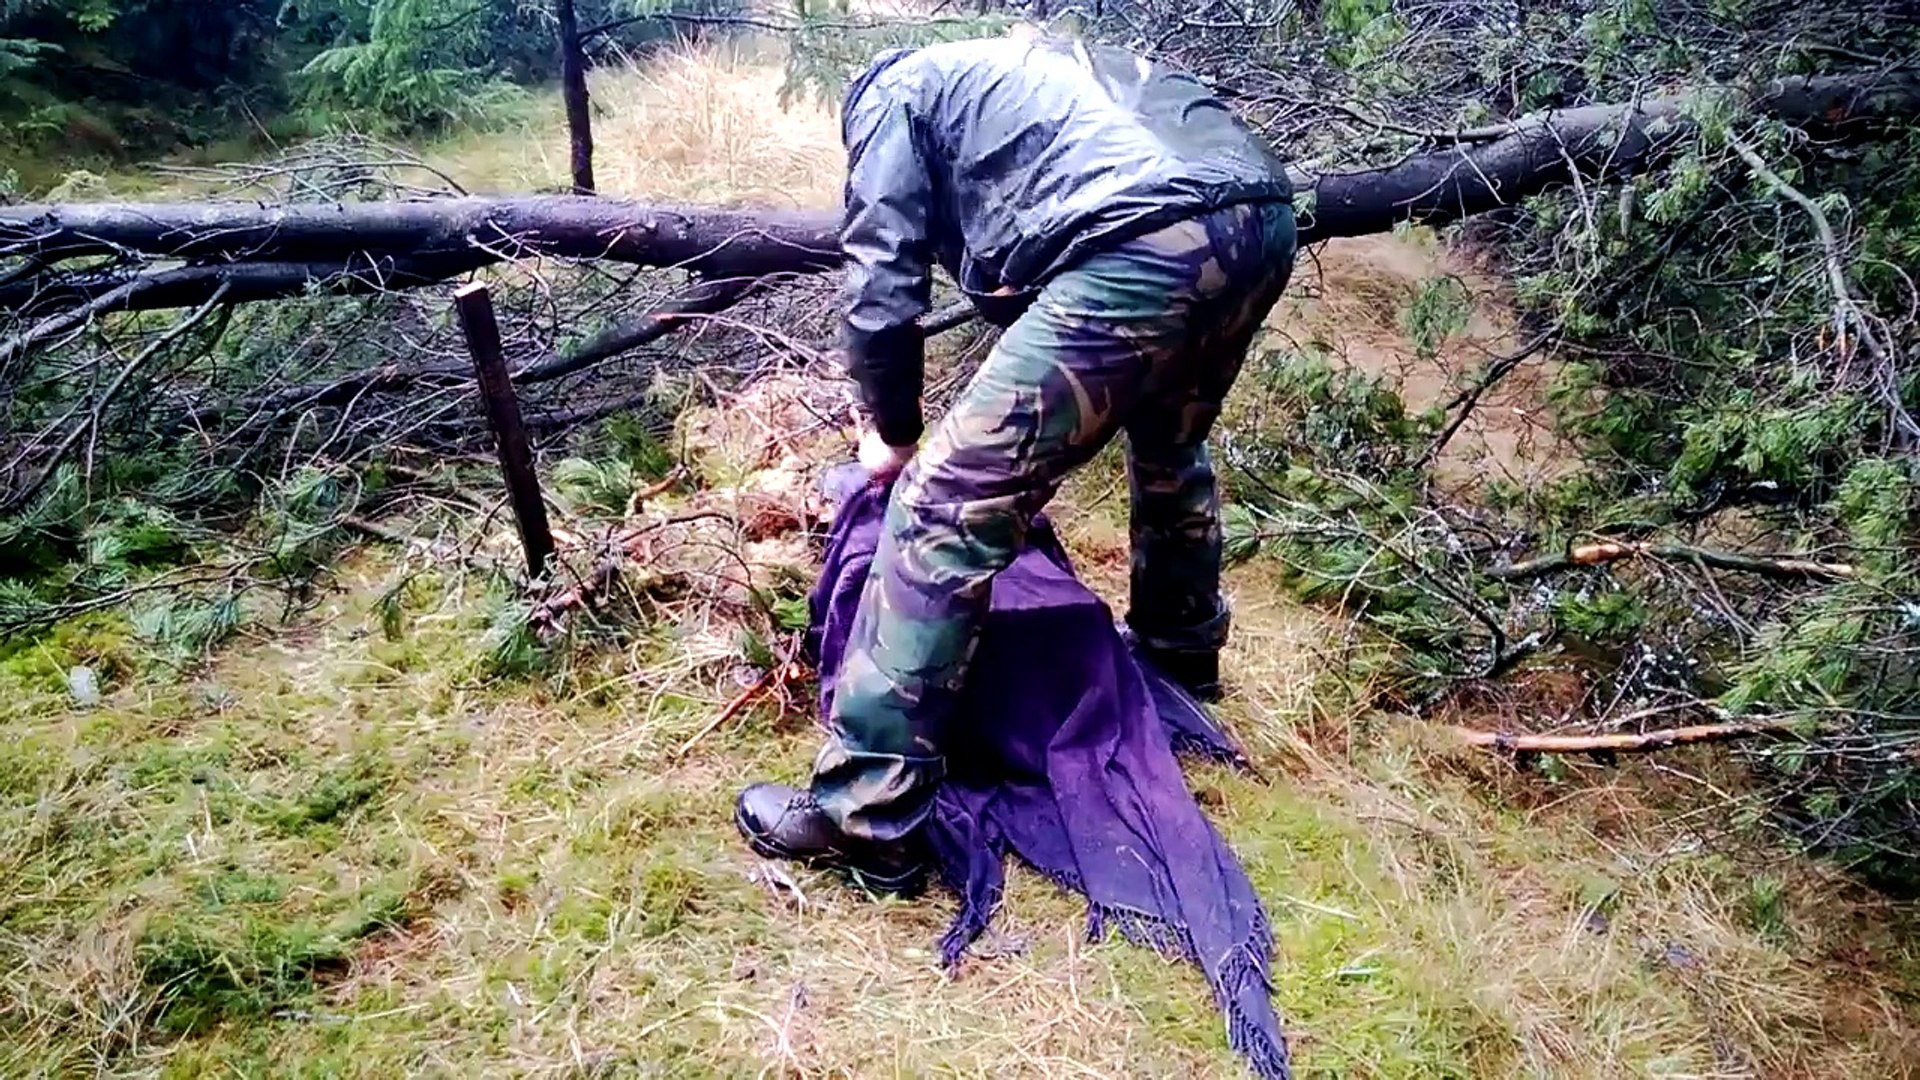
{"points": [[1145, 338]]}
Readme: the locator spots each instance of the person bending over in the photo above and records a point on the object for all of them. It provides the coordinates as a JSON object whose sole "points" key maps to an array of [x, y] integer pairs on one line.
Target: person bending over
{"points": [[1130, 235]]}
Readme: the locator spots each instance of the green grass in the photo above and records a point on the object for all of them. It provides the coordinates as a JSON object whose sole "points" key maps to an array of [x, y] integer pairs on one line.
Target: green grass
{"points": [[336, 852]]}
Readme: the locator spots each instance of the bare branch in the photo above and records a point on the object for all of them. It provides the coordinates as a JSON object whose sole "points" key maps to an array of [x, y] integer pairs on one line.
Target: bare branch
{"points": [[1627, 743], [74, 434], [1600, 554], [1848, 314]]}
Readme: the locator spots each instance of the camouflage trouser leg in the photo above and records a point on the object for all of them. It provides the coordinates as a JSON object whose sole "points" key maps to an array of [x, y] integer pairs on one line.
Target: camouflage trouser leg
{"points": [[1174, 597], [1146, 337]]}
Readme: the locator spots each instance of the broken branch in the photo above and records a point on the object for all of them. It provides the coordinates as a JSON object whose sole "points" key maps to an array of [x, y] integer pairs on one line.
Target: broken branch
{"points": [[1627, 743], [782, 671], [1465, 402], [1611, 551], [92, 418]]}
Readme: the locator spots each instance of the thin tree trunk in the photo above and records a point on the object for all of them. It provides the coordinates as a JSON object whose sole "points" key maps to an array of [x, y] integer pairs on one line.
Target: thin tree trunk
{"points": [[573, 83]]}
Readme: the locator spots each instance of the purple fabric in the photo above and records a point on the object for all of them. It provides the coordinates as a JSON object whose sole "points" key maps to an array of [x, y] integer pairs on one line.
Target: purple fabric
{"points": [[1063, 753]]}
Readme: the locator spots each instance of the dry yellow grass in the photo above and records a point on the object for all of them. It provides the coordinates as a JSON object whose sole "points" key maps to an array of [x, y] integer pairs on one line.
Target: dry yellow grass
{"points": [[694, 124]]}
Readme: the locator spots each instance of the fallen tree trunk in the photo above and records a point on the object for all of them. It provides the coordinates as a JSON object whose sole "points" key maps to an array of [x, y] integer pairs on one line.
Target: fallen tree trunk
{"points": [[1475, 172], [706, 240], [1498, 166], [156, 288]]}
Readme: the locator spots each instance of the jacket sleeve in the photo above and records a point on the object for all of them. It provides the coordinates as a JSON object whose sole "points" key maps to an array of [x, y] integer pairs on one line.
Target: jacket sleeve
{"points": [[886, 240]]}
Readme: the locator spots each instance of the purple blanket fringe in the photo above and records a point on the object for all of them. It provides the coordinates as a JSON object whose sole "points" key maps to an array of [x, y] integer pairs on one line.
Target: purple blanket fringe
{"points": [[1064, 754]]}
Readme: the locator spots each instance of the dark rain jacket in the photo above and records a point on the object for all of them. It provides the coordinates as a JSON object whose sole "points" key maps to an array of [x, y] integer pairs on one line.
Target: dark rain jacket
{"points": [[1006, 161]]}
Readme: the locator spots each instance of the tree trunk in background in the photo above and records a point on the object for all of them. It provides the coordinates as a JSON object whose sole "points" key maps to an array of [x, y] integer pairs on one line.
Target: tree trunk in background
{"points": [[573, 89]]}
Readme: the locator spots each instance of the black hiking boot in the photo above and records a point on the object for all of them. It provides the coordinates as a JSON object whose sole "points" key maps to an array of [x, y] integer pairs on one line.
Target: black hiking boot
{"points": [[780, 822], [1198, 673]]}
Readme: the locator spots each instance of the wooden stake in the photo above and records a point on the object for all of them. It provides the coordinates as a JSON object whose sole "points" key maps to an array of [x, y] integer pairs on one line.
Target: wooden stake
{"points": [[475, 307]]}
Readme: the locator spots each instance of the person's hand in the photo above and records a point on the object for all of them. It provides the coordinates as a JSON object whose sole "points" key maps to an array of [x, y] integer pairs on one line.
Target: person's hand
{"points": [[881, 461]]}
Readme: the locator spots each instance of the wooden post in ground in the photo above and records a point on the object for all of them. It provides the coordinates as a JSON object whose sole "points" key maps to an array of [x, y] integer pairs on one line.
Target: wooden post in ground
{"points": [[475, 307]]}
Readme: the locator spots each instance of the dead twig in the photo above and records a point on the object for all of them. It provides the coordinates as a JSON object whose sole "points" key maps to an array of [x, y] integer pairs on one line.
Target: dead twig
{"points": [[473, 500], [376, 530], [784, 671], [74, 318], [547, 617], [642, 496], [92, 419], [1465, 402]]}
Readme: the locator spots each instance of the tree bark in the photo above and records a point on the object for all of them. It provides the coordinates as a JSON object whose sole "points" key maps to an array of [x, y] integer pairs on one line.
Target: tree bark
{"points": [[573, 90], [1483, 170], [708, 240], [1501, 166], [474, 305]]}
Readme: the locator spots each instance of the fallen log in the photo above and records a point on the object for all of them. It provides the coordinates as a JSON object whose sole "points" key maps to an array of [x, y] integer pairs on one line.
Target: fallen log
{"points": [[157, 288], [1544, 150], [1477, 172], [706, 240]]}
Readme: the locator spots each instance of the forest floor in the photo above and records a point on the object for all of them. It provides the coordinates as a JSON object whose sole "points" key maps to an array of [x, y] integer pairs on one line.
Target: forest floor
{"points": [[337, 849]]}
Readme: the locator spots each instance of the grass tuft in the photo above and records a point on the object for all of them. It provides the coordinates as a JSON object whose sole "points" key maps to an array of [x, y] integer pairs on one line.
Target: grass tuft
{"points": [[204, 976]]}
